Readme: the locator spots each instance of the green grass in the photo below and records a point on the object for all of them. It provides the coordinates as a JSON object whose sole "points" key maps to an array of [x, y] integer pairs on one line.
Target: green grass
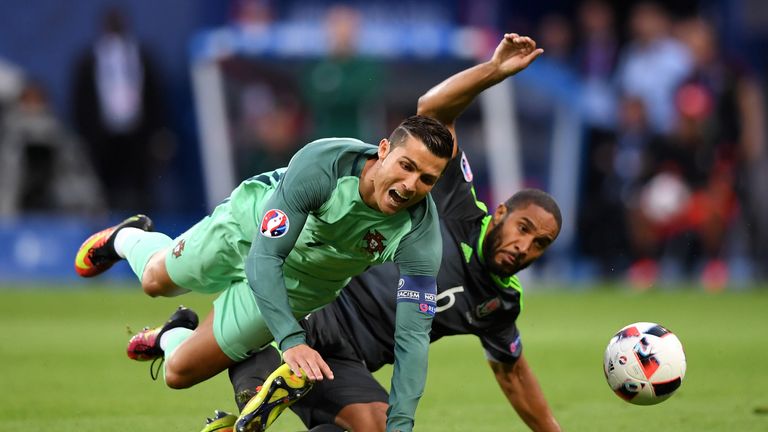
{"points": [[63, 367]]}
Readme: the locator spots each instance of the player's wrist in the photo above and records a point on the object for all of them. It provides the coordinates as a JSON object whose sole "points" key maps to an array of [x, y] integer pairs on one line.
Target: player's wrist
{"points": [[293, 341], [493, 71]]}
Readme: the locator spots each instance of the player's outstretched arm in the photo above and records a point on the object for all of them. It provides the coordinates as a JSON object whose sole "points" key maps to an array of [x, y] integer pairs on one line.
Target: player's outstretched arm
{"points": [[305, 186], [409, 374], [524, 393], [448, 99]]}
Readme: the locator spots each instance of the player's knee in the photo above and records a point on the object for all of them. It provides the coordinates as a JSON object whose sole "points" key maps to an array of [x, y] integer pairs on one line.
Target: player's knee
{"points": [[151, 289], [176, 381], [378, 417], [364, 417], [155, 280], [379, 421], [178, 376], [375, 423], [154, 289]]}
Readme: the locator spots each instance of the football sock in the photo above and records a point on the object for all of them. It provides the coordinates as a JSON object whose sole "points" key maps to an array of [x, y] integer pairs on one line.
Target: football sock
{"points": [[123, 237], [138, 246], [171, 340]]}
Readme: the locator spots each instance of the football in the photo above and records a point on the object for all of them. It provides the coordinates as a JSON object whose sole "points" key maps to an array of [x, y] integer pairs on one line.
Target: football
{"points": [[644, 363]]}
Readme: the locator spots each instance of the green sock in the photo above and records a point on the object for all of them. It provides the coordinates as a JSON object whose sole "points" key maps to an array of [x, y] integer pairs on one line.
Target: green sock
{"points": [[171, 340], [140, 246]]}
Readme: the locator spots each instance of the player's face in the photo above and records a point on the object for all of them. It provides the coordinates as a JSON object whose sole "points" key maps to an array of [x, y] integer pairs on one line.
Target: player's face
{"points": [[407, 173], [517, 239]]}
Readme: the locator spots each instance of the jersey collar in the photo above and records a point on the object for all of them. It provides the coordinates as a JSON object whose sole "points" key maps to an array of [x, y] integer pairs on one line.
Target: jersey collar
{"points": [[361, 159], [483, 229]]}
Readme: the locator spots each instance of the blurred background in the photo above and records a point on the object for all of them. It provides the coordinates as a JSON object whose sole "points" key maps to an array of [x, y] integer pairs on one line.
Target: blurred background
{"points": [[646, 120]]}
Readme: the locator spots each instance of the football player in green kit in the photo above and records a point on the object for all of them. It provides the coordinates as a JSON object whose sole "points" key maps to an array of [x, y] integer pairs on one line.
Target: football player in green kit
{"points": [[283, 245]]}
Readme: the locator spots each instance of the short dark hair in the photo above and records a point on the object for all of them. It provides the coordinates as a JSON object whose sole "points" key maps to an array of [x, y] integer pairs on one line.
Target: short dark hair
{"points": [[431, 132], [526, 197]]}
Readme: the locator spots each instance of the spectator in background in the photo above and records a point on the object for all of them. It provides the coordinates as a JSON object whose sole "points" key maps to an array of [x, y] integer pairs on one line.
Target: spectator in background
{"points": [[42, 165], [698, 177], [687, 203], [597, 53], [11, 83], [340, 89], [118, 110], [653, 64], [542, 101], [596, 56], [267, 120], [556, 34], [252, 15], [615, 166], [726, 97]]}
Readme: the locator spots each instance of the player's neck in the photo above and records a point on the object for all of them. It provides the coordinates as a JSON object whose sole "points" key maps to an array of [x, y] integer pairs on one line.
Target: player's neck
{"points": [[367, 188]]}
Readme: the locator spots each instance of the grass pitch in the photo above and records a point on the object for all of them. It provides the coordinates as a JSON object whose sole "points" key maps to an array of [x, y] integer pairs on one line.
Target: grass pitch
{"points": [[63, 366]]}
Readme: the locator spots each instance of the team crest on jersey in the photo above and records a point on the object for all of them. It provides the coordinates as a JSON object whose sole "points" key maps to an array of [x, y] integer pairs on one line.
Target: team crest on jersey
{"points": [[487, 307], [178, 249], [274, 224], [465, 168], [374, 242]]}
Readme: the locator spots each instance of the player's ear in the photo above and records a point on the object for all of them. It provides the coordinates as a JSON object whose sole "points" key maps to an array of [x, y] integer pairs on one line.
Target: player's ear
{"points": [[499, 214], [384, 147]]}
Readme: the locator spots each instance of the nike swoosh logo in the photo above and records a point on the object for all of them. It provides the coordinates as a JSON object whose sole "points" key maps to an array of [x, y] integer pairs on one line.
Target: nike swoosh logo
{"points": [[83, 251]]}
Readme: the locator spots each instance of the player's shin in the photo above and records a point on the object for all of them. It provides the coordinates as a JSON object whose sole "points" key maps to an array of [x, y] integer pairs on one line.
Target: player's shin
{"points": [[139, 246]]}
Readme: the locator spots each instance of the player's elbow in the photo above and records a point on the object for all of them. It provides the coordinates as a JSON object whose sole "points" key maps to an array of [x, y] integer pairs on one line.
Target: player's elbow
{"points": [[423, 107]]}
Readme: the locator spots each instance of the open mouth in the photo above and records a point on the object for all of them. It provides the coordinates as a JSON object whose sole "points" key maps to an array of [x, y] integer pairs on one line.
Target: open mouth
{"points": [[396, 197]]}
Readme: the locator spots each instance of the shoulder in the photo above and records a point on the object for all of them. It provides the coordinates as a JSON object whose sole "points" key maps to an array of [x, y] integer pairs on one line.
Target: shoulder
{"points": [[335, 148], [333, 157]]}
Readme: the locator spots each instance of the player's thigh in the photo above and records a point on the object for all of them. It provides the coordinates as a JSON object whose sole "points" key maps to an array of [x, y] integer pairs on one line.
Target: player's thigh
{"points": [[353, 392], [238, 326], [209, 255]]}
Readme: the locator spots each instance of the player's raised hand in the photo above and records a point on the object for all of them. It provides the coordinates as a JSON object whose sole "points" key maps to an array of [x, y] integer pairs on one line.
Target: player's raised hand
{"points": [[514, 53], [303, 358]]}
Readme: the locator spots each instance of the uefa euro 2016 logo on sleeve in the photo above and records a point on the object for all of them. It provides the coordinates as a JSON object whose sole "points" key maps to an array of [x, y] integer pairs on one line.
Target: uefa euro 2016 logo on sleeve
{"points": [[274, 224], [466, 169]]}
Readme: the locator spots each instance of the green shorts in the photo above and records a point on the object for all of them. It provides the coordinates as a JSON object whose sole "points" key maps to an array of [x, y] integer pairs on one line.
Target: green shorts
{"points": [[209, 258], [238, 326]]}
